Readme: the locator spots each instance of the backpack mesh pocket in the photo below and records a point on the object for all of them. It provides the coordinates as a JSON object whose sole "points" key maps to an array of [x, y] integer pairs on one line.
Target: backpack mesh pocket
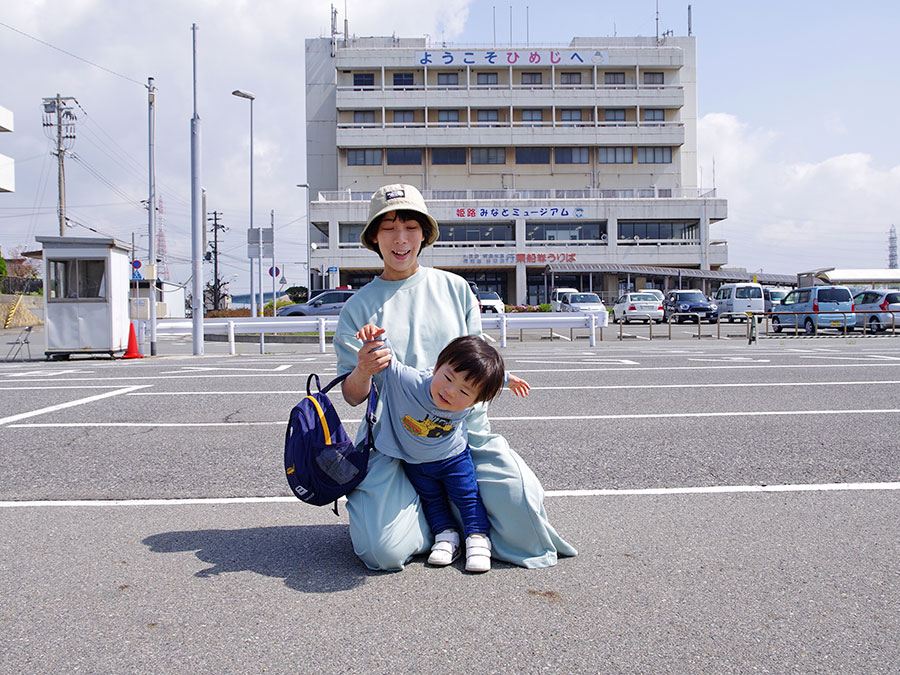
{"points": [[332, 460]]}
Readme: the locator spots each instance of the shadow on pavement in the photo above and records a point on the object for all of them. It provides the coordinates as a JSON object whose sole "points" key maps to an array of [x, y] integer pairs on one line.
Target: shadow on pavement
{"points": [[310, 558]]}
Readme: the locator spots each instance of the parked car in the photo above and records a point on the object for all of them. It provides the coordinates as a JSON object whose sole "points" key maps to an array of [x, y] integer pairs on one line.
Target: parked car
{"points": [[815, 307], [327, 303], [772, 297], [691, 301], [740, 297], [582, 302], [489, 301], [638, 307], [886, 302], [655, 291], [556, 296]]}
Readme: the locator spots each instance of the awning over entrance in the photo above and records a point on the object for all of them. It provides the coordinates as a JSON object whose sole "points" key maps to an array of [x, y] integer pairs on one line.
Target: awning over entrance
{"points": [[686, 273], [856, 277]]}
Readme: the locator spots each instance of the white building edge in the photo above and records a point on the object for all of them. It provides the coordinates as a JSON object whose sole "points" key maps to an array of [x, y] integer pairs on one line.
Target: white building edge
{"points": [[7, 164], [568, 166]]}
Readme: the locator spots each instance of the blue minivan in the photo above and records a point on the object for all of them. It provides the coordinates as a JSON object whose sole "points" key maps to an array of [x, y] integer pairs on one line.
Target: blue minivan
{"points": [[815, 307]]}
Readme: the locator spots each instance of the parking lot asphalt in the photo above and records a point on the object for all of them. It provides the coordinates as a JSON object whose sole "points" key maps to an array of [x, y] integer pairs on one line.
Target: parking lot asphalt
{"points": [[735, 508]]}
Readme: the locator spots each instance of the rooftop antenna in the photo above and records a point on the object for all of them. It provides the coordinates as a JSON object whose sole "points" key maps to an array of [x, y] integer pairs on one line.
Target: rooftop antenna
{"points": [[657, 21], [690, 22], [527, 27], [346, 27], [494, 9], [333, 30]]}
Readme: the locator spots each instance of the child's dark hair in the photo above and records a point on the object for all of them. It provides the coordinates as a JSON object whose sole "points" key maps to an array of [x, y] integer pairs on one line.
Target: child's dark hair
{"points": [[478, 361]]}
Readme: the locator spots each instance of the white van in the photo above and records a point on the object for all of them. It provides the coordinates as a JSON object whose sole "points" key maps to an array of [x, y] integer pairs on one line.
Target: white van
{"points": [[556, 295], [743, 297]]}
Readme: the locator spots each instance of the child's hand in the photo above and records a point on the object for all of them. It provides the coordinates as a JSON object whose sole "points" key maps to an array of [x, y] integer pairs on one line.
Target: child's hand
{"points": [[369, 332], [519, 386]]}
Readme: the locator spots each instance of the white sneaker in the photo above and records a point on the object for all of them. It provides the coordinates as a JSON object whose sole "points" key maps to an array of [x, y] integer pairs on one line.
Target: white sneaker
{"points": [[478, 553], [445, 549]]}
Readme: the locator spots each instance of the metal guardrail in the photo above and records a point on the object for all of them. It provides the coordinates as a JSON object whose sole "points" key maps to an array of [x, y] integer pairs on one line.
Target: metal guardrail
{"points": [[243, 326], [592, 321], [815, 324], [320, 324], [866, 322], [570, 320]]}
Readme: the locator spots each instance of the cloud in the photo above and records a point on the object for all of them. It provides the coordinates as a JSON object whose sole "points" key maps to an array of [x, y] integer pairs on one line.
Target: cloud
{"points": [[241, 44], [789, 217]]}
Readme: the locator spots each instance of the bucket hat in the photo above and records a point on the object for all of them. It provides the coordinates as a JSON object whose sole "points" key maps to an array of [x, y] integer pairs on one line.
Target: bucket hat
{"points": [[397, 197]]}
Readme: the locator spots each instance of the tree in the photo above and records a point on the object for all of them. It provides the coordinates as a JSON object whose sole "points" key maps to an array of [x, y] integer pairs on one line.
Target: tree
{"points": [[2, 264], [297, 293], [215, 294]]}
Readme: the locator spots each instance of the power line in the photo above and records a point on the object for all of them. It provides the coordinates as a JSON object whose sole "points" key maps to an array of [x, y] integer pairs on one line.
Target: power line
{"points": [[74, 56]]}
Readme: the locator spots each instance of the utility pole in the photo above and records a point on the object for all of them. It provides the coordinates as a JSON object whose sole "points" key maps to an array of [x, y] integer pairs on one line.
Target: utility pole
{"points": [[217, 283], [58, 113], [151, 273]]}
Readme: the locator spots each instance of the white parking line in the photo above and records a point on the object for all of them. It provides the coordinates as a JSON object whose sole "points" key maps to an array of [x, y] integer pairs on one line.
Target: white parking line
{"points": [[625, 492], [736, 413], [742, 385], [552, 418], [69, 404]]}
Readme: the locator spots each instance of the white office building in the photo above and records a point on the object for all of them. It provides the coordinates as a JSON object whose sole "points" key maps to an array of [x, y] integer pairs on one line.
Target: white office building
{"points": [[566, 166]]}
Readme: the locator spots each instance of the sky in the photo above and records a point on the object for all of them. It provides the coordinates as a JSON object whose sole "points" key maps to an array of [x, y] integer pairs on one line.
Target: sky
{"points": [[796, 103]]}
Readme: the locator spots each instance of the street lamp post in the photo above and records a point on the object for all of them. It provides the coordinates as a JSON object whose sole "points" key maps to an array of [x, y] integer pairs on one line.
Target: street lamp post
{"points": [[253, 310], [308, 272]]}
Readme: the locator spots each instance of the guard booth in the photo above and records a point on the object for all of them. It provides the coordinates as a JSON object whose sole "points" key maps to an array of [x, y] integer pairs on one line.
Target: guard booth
{"points": [[85, 296]]}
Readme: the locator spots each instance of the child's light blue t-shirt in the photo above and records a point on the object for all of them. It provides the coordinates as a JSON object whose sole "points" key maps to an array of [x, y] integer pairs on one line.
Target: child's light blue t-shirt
{"points": [[413, 428]]}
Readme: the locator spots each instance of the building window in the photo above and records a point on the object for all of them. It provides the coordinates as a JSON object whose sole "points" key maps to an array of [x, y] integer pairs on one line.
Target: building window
{"points": [[542, 232], [485, 79], [658, 230], [404, 116], [614, 155], [532, 155], [364, 158], [654, 78], [81, 279], [348, 233], [532, 115], [488, 115], [570, 114], [404, 156], [658, 155], [488, 155], [364, 117], [613, 78], [448, 115], [615, 115], [654, 115], [366, 80], [571, 155], [531, 78], [448, 156], [403, 79], [570, 78], [495, 231], [448, 79]]}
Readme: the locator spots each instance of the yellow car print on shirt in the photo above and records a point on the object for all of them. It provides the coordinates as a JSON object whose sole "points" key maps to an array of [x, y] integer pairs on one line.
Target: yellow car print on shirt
{"points": [[426, 428]]}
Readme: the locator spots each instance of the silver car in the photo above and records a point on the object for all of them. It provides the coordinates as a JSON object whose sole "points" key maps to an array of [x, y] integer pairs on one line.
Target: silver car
{"points": [[328, 303], [638, 307], [581, 302], [877, 309]]}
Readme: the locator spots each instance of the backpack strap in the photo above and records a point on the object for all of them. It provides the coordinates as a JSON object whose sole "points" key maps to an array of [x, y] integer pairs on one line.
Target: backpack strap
{"points": [[369, 443]]}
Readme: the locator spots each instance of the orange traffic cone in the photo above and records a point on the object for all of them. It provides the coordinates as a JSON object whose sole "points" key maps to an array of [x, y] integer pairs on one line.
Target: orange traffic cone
{"points": [[132, 351]]}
